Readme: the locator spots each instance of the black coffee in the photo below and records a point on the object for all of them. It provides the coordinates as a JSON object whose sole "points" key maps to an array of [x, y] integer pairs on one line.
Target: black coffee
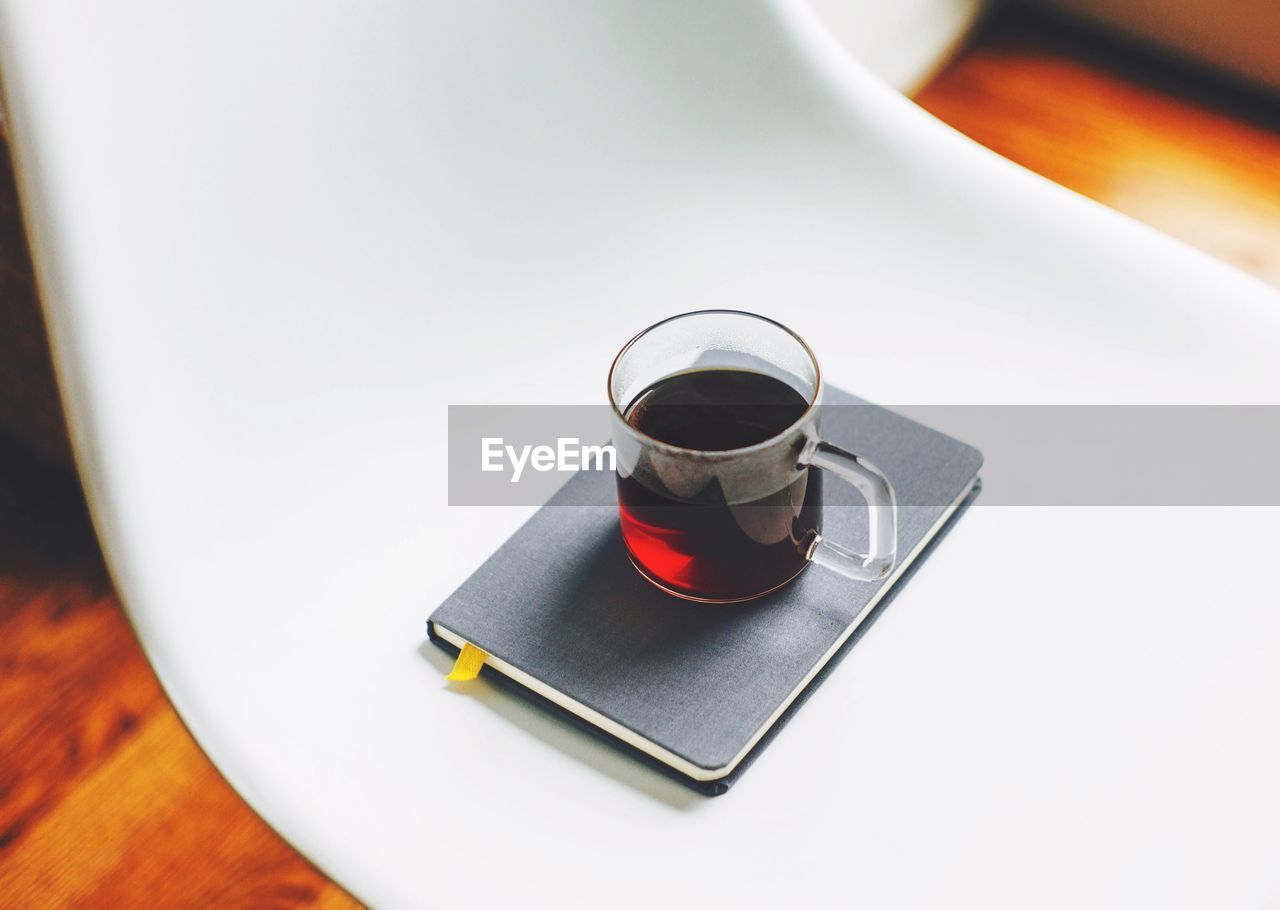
{"points": [[702, 544]]}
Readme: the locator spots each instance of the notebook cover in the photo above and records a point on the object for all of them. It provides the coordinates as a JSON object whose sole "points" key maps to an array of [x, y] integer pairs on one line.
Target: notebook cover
{"points": [[561, 602]]}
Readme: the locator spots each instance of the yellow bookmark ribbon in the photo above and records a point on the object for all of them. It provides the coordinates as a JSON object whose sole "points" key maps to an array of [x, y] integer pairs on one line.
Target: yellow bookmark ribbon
{"points": [[470, 660]]}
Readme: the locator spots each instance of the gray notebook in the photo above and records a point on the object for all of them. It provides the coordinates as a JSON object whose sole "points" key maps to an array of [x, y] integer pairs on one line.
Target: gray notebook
{"points": [[696, 690]]}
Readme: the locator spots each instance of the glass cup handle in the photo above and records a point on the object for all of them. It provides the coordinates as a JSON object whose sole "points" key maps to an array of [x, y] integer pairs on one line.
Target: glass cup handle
{"points": [[882, 515]]}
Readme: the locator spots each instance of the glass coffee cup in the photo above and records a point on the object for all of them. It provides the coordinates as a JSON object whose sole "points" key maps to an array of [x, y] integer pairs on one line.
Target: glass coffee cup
{"points": [[716, 420]]}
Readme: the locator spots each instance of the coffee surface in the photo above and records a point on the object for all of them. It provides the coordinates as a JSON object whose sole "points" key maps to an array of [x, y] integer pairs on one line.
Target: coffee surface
{"points": [[715, 410]]}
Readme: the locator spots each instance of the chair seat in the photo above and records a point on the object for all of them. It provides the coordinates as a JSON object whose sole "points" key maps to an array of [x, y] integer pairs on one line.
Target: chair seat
{"points": [[276, 241]]}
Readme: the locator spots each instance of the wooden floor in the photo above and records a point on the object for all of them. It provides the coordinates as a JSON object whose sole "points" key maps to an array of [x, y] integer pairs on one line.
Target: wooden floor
{"points": [[105, 801], [1196, 157]]}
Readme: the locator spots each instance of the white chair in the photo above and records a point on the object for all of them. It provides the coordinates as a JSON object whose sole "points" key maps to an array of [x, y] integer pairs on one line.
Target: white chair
{"points": [[275, 240]]}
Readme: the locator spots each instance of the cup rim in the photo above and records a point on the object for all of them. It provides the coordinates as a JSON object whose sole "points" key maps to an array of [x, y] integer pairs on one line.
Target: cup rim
{"points": [[716, 453]]}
